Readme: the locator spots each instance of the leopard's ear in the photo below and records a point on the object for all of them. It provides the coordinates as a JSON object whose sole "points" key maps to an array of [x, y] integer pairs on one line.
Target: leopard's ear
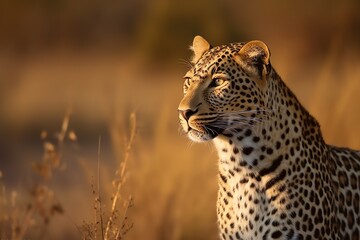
{"points": [[200, 45], [256, 55]]}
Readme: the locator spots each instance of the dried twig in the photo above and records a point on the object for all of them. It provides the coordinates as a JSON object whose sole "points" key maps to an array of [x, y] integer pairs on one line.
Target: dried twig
{"points": [[124, 227], [98, 190], [122, 175]]}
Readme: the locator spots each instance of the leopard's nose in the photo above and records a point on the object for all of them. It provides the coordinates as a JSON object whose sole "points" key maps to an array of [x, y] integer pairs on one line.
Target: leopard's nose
{"points": [[187, 113]]}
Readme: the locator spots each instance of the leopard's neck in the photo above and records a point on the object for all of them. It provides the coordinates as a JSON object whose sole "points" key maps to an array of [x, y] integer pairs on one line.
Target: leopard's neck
{"points": [[275, 137]]}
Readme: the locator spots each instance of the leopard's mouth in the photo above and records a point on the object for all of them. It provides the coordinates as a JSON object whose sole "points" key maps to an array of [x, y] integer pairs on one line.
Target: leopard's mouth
{"points": [[200, 136], [200, 132]]}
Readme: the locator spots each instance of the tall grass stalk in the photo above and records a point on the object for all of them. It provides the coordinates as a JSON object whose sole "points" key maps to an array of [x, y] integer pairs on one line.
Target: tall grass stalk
{"points": [[120, 182]]}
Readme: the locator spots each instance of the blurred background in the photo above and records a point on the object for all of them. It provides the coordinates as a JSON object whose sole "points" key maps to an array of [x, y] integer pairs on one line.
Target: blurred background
{"points": [[73, 72]]}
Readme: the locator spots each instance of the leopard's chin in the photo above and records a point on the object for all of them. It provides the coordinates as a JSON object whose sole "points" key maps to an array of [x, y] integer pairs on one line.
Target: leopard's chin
{"points": [[204, 134], [199, 132], [197, 136]]}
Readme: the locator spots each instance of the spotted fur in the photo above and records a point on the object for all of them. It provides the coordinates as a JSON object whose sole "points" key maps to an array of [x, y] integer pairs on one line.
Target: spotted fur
{"points": [[278, 179]]}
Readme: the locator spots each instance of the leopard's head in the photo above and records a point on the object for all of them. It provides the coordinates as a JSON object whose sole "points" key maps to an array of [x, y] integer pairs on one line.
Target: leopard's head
{"points": [[225, 89]]}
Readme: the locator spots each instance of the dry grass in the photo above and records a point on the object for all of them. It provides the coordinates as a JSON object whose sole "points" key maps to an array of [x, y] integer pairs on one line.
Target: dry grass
{"points": [[33, 213], [115, 224]]}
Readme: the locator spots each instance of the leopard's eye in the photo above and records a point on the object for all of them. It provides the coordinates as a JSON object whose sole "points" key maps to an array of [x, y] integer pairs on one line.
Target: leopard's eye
{"points": [[187, 83], [218, 81]]}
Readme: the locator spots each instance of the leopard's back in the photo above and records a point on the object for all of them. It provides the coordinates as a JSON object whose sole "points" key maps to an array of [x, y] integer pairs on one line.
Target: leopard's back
{"points": [[346, 176]]}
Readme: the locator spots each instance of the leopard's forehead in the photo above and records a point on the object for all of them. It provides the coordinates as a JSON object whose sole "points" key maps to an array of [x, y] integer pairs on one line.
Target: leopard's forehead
{"points": [[215, 57]]}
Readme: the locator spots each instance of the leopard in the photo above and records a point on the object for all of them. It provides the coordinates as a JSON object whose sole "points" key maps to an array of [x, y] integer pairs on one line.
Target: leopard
{"points": [[277, 177]]}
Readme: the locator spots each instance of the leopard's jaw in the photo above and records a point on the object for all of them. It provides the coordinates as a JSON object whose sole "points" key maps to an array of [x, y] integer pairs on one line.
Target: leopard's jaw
{"points": [[197, 136]]}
